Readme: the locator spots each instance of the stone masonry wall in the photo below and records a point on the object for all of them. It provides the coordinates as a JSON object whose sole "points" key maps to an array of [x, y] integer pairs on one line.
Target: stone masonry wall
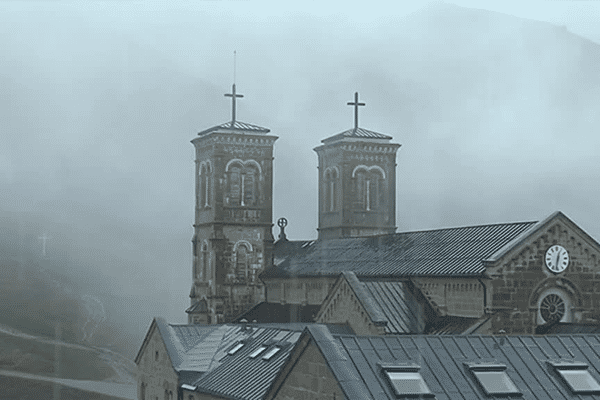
{"points": [[155, 370], [523, 280], [310, 379], [455, 297]]}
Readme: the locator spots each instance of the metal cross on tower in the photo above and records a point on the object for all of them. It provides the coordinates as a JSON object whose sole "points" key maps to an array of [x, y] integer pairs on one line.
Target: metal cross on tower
{"points": [[356, 104], [233, 96]]}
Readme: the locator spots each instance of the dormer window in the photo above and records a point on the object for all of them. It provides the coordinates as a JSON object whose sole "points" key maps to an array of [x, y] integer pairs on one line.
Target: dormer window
{"points": [[406, 380], [577, 377], [494, 380]]}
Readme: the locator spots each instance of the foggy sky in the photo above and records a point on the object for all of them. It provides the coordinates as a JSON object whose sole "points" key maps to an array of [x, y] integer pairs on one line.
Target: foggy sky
{"points": [[497, 115]]}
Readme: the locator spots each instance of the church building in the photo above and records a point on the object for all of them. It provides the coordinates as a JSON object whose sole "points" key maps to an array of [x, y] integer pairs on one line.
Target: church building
{"points": [[519, 277]]}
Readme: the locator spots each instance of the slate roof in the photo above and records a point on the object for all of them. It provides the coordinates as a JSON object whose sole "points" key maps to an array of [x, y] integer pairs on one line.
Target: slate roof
{"points": [[457, 252], [443, 362], [236, 127], [357, 133]]}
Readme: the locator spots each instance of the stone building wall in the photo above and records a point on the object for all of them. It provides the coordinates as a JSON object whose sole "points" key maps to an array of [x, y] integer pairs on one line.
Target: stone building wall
{"points": [[343, 307], [304, 291], [155, 371], [460, 297], [310, 379], [521, 281]]}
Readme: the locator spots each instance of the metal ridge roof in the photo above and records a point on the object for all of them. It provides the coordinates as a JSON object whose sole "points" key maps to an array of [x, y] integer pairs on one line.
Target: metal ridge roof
{"points": [[235, 127], [357, 133], [439, 252], [357, 362], [241, 377]]}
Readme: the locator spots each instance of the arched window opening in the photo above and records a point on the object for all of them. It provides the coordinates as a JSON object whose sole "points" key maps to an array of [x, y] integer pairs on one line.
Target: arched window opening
{"points": [[235, 185], [241, 267], [205, 260], [330, 182], [369, 189], [204, 187], [250, 178], [143, 391]]}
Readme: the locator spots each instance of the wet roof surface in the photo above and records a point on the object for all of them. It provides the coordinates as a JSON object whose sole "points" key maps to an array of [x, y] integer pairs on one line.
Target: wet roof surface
{"points": [[445, 362], [441, 252], [236, 127]]}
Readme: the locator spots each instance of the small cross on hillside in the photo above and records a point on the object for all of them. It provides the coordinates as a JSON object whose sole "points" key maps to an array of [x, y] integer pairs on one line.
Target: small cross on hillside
{"points": [[356, 104]]}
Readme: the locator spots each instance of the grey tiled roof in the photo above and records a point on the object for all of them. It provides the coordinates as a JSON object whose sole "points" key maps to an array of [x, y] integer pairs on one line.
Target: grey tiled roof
{"points": [[442, 362], [441, 252], [357, 133], [236, 127]]}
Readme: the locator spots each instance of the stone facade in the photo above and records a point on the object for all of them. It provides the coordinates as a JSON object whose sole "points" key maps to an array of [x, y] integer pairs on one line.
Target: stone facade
{"points": [[303, 291], [357, 187], [342, 306], [306, 376], [156, 377], [520, 280], [232, 240], [460, 297]]}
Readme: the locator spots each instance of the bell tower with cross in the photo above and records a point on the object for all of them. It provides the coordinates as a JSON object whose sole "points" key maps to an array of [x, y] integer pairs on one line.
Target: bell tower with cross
{"points": [[232, 239], [357, 182]]}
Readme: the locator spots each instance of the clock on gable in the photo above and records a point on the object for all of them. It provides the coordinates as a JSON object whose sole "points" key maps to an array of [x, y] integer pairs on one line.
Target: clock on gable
{"points": [[557, 259]]}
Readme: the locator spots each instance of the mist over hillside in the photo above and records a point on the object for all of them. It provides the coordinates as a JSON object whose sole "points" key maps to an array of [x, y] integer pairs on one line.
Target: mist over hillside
{"points": [[497, 117]]}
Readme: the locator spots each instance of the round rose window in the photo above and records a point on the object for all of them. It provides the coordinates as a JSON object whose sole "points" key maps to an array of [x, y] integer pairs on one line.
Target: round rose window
{"points": [[552, 308]]}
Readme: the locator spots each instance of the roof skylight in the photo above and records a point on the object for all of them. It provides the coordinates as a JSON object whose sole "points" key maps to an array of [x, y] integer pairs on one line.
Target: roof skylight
{"points": [[494, 380], [235, 348], [406, 380], [256, 352], [577, 377], [269, 354]]}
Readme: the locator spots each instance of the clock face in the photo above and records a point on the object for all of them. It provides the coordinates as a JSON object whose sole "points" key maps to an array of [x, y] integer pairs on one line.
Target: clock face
{"points": [[557, 259]]}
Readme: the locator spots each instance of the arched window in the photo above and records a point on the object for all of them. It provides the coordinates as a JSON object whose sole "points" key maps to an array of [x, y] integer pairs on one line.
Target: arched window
{"points": [[243, 183], [205, 261], [369, 188], [234, 178], [143, 391], [330, 189], [205, 185], [249, 182], [241, 263]]}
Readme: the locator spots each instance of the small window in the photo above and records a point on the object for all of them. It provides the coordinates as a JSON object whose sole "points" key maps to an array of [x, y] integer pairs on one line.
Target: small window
{"points": [[256, 352], [494, 380], [406, 380], [269, 354], [577, 377], [235, 348], [156, 356]]}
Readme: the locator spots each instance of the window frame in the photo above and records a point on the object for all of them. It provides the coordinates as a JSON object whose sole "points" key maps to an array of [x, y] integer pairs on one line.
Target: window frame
{"points": [[412, 369], [565, 369], [478, 370]]}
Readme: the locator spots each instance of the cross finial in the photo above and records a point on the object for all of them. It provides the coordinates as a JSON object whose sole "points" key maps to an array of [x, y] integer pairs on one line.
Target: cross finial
{"points": [[356, 104], [233, 95]]}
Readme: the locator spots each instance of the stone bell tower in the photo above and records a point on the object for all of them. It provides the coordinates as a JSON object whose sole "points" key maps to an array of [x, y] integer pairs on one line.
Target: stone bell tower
{"points": [[357, 183], [232, 239]]}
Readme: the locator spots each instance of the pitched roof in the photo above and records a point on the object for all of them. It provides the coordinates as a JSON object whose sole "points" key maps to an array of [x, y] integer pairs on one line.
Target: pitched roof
{"points": [[236, 127], [240, 377], [445, 363], [388, 303], [439, 252], [357, 133]]}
